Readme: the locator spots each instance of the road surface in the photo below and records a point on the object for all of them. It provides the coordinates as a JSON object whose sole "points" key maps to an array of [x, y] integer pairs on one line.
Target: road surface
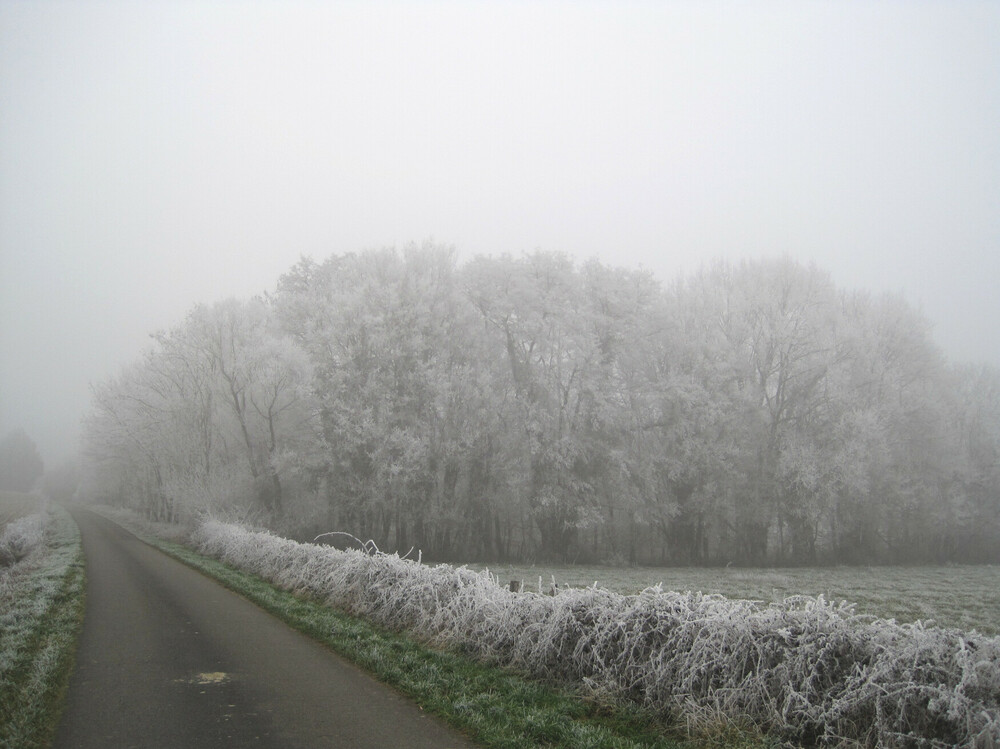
{"points": [[169, 658]]}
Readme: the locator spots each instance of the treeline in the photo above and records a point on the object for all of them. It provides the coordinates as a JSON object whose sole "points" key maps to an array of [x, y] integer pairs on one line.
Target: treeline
{"points": [[527, 408]]}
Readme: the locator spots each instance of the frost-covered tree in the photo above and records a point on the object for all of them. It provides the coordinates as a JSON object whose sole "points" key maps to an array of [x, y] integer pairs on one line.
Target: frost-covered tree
{"points": [[528, 407], [257, 376], [123, 443], [565, 335], [897, 433], [402, 383], [211, 417]]}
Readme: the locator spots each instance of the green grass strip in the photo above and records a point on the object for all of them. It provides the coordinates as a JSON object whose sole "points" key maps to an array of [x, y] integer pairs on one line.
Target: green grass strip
{"points": [[496, 708], [41, 615]]}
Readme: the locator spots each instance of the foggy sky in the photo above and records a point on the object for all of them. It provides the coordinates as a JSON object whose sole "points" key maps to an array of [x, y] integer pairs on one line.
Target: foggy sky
{"points": [[158, 154]]}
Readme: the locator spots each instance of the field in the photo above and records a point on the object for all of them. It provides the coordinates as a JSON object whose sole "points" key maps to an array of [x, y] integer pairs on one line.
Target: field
{"points": [[962, 596]]}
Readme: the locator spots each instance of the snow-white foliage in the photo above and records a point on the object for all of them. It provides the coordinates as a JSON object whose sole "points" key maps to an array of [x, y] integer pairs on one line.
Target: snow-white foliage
{"points": [[20, 536], [810, 670]]}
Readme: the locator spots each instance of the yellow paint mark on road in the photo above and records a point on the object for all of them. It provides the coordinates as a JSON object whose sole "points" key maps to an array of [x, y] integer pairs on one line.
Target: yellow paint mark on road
{"points": [[209, 677], [214, 677]]}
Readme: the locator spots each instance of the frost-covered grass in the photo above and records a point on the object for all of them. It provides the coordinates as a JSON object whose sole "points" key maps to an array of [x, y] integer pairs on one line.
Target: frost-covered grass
{"points": [[805, 669], [962, 596], [41, 611]]}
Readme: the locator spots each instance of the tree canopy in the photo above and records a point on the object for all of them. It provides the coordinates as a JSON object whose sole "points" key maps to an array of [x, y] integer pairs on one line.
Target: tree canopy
{"points": [[527, 407]]}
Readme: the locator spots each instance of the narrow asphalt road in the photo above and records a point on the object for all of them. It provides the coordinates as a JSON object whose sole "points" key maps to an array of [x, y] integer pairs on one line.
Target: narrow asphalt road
{"points": [[169, 658]]}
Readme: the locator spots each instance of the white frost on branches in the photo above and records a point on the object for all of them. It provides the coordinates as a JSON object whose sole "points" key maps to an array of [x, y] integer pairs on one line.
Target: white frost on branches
{"points": [[809, 670]]}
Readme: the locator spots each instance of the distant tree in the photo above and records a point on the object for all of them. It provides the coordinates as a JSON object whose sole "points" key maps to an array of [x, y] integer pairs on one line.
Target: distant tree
{"points": [[401, 382], [516, 408], [215, 417], [538, 311], [20, 464], [906, 455], [124, 436], [696, 424], [975, 506], [257, 374], [60, 483]]}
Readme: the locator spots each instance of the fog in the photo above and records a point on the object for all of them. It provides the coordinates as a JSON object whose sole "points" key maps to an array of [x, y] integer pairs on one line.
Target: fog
{"points": [[157, 155]]}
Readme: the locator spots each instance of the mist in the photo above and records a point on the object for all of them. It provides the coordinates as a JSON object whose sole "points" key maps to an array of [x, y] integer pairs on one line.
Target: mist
{"points": [[157, 156]]}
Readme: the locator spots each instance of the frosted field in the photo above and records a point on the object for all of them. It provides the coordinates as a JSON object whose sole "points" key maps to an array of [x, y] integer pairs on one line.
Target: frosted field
{"points": [[962, 596]]}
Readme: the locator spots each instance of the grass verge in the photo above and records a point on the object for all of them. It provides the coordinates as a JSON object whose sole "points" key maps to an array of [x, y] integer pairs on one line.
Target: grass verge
{"points": [[496, 708], [41, 613]]}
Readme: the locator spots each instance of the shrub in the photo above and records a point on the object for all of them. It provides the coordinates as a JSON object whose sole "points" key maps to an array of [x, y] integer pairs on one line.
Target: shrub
{"points": [[809, 670], [20, 537]]}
